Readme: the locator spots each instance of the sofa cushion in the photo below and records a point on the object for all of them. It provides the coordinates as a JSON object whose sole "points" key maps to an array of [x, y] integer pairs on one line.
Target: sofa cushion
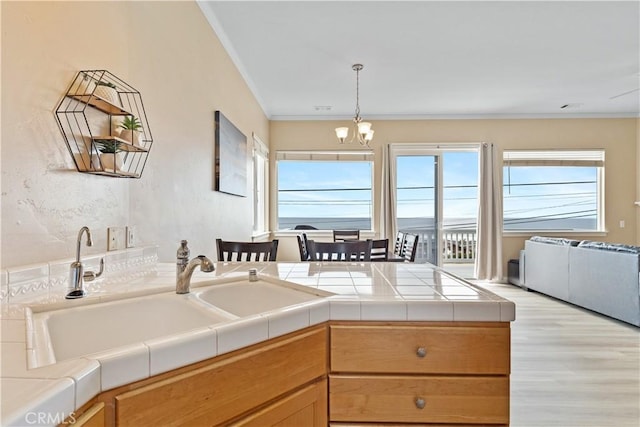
{"points": [[555, 240], [615, 247]]}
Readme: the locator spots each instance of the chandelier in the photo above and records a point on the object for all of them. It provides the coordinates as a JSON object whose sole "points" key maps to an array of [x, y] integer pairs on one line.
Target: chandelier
{"points": [[361, 130]]}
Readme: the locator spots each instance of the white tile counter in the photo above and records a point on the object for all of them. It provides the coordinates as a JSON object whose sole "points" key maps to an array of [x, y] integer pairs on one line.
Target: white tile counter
{"points": [[363, 291]]}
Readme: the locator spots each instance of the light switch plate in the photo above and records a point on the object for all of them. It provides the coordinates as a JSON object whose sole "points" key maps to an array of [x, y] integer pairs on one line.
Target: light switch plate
{"points": [[131, 236]]}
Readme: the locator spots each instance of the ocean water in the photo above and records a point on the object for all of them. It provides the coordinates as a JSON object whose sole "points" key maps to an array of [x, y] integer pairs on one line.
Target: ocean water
{"points": [[407, 224]]}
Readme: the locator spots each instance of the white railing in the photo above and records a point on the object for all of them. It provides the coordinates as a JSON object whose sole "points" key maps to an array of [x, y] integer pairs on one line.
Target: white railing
{"points": [[458, 245]]}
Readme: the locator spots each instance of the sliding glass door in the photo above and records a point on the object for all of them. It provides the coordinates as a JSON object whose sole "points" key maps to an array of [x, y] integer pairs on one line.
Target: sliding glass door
{"points": [[435, 195], [417, 201]]}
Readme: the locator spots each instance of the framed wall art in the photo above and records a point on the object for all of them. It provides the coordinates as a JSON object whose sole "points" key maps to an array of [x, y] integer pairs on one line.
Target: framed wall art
{"points": [[231, 158]]}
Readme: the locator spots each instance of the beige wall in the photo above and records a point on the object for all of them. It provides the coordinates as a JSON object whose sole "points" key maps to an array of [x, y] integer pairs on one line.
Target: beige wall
{"points": [[617, 136], [168, 52]]}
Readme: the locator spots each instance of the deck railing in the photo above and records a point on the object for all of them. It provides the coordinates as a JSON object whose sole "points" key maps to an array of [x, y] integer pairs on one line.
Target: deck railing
{"points": [[458, 245]]}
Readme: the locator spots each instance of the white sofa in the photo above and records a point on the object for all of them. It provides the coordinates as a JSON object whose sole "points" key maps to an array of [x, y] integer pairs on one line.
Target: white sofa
{"points": [[599, 276], [547, 265]]}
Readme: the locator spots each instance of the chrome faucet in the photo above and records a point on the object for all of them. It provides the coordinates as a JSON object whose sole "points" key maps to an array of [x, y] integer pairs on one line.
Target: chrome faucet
{"points": [[183, 281], [77, 275]]}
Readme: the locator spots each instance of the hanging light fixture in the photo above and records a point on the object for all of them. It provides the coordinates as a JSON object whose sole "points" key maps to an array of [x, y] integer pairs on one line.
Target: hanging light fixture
{"points": [[361, 130]]}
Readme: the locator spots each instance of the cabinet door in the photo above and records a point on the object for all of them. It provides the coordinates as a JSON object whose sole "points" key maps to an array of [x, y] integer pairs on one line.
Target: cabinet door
{"points": [[227, 388], [92, 417], [306, 407], [421, 349], [426, 399]]}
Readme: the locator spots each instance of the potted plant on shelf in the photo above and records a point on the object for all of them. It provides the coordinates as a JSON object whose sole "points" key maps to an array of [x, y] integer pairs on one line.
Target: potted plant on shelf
{"points": [[108, 92], [111, 158], [130, 129]]}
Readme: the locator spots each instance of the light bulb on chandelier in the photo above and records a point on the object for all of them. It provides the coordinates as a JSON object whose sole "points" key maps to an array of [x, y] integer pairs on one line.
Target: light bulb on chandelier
{"points": [[361, 130]]}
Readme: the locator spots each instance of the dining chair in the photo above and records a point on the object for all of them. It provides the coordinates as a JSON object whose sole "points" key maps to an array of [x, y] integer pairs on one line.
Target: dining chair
{"points": [[304, 227], [397, 248], [247, 251], [410, 247], [302, 247], [345, 235], [358, 250], [380, 250]]}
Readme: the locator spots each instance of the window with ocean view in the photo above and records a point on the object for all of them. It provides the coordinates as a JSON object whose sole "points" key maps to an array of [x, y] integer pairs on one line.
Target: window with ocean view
{"points": [[328, 191], [552, 190]]}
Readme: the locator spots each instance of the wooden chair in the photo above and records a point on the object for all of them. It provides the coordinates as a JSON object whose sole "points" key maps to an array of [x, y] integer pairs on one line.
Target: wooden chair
{"points": [[303, 247], [344, 235], [410, 247], [397, 248], [359, 250], [247, 251], [380, 250]]}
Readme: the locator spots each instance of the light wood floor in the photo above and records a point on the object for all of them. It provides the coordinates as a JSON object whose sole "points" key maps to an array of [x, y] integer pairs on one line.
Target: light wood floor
{"points": [[570, 367]]}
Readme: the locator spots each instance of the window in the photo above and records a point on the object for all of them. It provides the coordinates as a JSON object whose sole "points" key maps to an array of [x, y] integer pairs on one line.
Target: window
{"points": [[260, 185], [325, 190], [553, 190]]}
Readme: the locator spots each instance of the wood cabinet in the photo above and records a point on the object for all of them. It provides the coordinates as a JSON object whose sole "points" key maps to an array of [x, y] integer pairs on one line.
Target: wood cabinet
{"points": [[450, 373], [276, 380], [90, 415], [306, 407], [380, 374]]}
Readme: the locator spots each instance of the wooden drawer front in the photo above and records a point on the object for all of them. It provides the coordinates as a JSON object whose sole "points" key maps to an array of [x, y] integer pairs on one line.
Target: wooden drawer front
{"points": [[398, 349], [218, 392], [468, 400], [305, 407]]}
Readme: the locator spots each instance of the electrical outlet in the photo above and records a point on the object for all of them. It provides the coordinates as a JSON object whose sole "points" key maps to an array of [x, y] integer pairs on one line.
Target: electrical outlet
{"points": [[131, 236], [112, 238]]}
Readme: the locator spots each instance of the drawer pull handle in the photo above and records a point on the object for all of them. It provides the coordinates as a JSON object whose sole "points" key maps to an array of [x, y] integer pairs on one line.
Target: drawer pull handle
{"points": [[420, 403], [421, 352]]}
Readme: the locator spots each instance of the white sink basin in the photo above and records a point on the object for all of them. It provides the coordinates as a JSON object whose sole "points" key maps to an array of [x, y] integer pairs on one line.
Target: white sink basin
{"points": [[79, 331], [244, 298]]}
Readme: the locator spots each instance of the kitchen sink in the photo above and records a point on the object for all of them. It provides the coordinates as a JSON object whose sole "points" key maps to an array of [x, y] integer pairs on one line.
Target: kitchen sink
{"points": [[95, 328], [92, 328], [245, 298]]}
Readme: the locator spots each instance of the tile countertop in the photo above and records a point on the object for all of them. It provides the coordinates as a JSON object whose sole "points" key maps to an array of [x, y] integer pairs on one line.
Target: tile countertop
{"points": [[364, 291]]}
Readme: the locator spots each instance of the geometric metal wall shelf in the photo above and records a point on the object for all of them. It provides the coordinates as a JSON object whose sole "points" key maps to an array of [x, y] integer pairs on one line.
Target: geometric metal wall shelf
{"points": [[104, 125]]}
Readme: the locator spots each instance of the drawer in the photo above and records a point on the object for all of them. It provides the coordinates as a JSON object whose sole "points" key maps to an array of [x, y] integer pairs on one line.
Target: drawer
{"points": [[441, 399], [421, 349]]}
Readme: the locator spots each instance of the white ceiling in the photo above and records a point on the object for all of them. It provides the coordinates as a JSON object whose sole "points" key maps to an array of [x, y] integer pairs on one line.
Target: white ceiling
{"points": [[430, 59]]}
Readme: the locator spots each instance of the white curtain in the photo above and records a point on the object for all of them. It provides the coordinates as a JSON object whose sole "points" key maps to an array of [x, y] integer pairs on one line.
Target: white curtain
{"points": [[386, 223], [488, 265]]}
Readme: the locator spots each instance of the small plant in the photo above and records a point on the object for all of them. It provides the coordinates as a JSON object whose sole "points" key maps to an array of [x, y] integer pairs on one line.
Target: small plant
{"points": [[103, 83], [131, 123], [108, 146]]}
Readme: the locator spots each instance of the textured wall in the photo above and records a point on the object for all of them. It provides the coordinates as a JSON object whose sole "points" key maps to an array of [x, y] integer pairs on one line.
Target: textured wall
{"points": [[168, 52]]}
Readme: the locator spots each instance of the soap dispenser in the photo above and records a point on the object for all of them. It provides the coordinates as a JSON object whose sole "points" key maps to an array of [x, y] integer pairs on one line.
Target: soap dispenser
{"points": [[182, 258]]}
